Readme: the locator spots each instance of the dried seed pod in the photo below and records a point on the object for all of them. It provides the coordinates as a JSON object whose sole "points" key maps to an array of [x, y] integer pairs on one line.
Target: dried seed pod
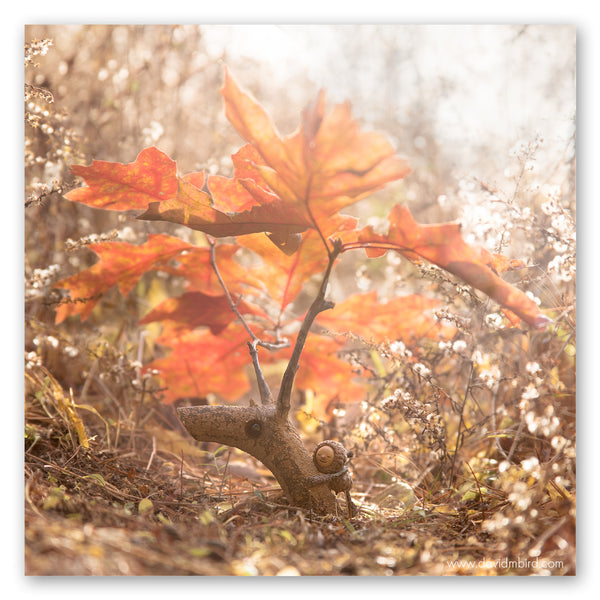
{"points": [[330, 457]]}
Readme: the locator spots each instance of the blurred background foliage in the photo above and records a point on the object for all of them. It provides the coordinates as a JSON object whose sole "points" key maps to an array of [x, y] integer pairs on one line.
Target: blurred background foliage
{"points": [[455, 100]]}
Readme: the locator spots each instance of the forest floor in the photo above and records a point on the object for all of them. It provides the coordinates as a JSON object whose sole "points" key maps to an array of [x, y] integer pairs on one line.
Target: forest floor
{"points": [[152, 503]]}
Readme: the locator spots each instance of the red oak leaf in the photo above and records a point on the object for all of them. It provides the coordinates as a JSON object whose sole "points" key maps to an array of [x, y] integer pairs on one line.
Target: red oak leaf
{"points": [[201, 363], [196, 309], [327, 375], [327, 165], [407, 318], [114, 186], [120, 264], [443, 245]]}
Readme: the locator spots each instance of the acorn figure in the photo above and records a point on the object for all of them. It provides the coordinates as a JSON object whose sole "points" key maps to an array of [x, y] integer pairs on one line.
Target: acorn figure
{"points": [[330, 459]]}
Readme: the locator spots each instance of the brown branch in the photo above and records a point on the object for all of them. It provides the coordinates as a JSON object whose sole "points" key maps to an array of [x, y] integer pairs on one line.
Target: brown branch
{"points": [[265, 431], [319, 305], [232, 304], [263, 389]]}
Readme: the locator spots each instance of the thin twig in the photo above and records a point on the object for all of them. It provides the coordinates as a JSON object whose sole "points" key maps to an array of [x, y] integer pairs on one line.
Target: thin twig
{"points": [[256, 341], [232, 304], [265, 393], [479, 489], [461, 422], [181, 478], [515, 440], [88, 380], [494, 425], [31, 503], [152, 454], [319, 305], [224, 473], [539, 542]]}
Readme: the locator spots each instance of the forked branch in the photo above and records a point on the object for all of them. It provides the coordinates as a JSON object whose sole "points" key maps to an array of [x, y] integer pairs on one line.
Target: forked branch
{"points": [[265, 431]]}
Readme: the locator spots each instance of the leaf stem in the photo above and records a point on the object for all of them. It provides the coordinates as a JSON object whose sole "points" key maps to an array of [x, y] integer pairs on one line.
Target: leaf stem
{"points": [[375, 245]]}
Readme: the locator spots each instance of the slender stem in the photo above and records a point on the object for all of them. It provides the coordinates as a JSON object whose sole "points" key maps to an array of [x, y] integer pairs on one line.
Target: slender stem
{"points": [[319, 305], [495, 426], [232, 304], [256, 341], [316, 225], [481, 502], [461, 422], [265, 393], [515, 440]]}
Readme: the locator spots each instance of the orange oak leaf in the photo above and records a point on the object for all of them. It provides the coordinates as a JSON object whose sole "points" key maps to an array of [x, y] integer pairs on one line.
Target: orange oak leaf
{"points": [[120, 264], [327, 375], [151, 183], [281, 186], [114, 186], [285, 275], [193, 208], [443, 245], [325, 166], [407, 318], [194, 264], [201, 363], [196, 309]]}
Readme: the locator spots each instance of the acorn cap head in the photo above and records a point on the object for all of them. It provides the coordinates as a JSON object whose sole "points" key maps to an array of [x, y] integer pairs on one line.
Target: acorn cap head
{"points": [[329, 457]]}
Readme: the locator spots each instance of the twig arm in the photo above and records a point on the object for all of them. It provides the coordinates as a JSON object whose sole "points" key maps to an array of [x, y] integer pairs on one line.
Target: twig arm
{"points": [[265, 393], [232, 304], [319, 305]]}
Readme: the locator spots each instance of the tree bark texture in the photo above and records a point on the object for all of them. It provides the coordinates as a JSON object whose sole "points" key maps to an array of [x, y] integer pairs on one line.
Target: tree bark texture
{"points": [[274, 441]]}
